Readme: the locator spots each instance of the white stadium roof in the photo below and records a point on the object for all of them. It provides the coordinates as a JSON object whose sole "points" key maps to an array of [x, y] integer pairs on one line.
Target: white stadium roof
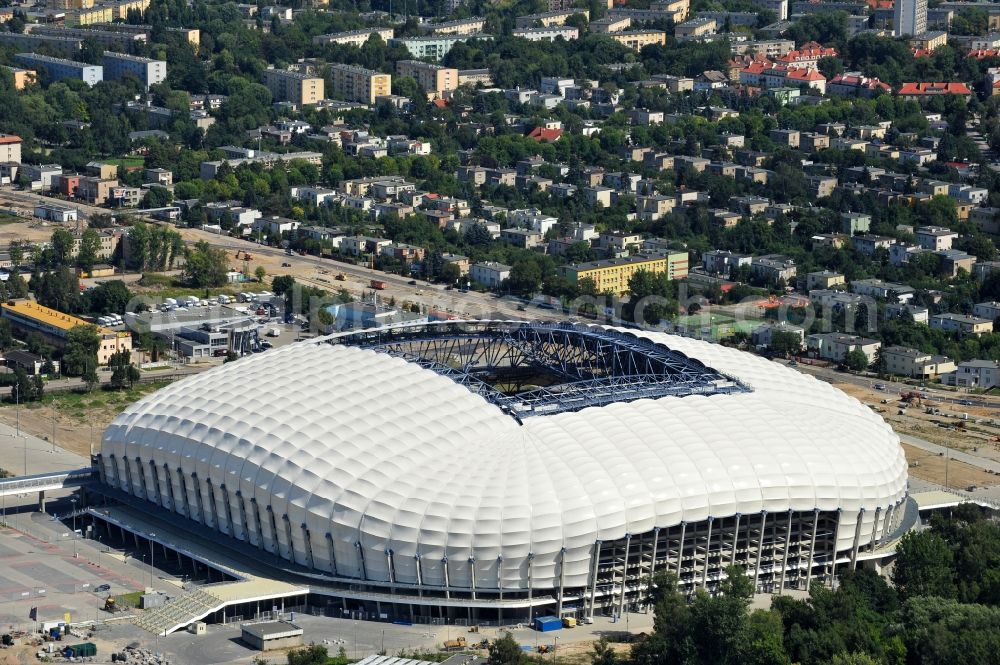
{"points": [[376, 450]]}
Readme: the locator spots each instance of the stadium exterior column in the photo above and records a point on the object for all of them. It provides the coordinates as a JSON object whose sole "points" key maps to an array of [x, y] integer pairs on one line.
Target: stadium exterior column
{"points": [[531, 608], [447, 578], [812, 548], [243, 516], [142, 476], [871, 545], [307, 537], [760, 549], [836, 541], [227, 504], [472, 576], [652, 562], [156, 483], [420, 575], [708, 551], [170, 487], [361, 560], [595, 558], [257, 524], [288, 536], [500, 575], [889, 516], [391, 568], [857, 539], [680, 551], [621, 599], [333, 556], [736, 540], [184, 492], [788, 546], [562, 581]]}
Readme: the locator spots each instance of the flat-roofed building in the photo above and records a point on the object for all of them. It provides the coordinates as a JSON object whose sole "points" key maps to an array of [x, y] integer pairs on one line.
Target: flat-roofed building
{"points": [[434, 47], [357, 84], [547, 33], [961, 324], [354, 37], [294, 87], [548, 18], [28, 316], [22, 77], [148, 71], [613, 275], [465, 26], [436, 80], [638, 39], [66, 46], [59, 69]]}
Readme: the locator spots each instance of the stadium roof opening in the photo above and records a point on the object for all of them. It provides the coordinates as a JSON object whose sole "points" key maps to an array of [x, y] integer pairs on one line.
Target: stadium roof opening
{"points": [[534, 368]]}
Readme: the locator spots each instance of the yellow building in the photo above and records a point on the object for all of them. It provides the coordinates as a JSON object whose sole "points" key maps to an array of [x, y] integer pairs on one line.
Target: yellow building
{"points": [[613, 275], [28, 317], [465, 26], [929, 40], [434, 79], [22, 77], [294, 87], [357, 84], [69, 4], [637, 39]]}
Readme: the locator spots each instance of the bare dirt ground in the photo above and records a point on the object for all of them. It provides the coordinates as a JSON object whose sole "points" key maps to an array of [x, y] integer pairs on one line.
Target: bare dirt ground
{"points": [[74, 420], [931, 467]]}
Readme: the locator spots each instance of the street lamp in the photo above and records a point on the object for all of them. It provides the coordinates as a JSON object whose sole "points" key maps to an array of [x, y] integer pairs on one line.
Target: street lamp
{"points": [[73, 502]]}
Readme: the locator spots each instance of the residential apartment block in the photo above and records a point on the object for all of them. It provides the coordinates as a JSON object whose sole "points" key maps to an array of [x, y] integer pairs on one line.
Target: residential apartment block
{"points": [[434, 79], [59, 69], [357, 84], [613, 275], [294, 87], [354, 37], [148, 71]]}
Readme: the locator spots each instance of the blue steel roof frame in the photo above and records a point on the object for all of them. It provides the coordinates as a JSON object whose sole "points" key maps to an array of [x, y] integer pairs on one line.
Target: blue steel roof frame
{"points": [[600, 366]]}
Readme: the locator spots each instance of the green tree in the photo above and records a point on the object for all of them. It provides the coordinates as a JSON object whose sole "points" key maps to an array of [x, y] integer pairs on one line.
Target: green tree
{"points": [[856, 360], [90, 246], [282, 284], [924, 566], [62, 246], [260, 273], [205, 266], [602, 653], [525, 276], [785, 343], [111, 297], [80, 353], [506, 651]]}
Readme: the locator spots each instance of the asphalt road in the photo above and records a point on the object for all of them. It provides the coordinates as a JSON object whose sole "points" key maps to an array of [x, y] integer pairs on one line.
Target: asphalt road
{"points": [[831, 375]]}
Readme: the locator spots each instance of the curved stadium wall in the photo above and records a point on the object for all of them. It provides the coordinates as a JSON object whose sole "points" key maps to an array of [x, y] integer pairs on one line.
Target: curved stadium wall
{"points": [[507, 468]]}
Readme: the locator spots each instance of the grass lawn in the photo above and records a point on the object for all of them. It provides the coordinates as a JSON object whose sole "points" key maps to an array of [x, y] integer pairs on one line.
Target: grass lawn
{"points": [[78, 406], [126, 162], [10, 219], [169, 286]]}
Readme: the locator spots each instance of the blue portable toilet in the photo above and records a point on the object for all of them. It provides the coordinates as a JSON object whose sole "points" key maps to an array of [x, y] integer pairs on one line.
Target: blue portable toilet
{"points": [[547, 624]]}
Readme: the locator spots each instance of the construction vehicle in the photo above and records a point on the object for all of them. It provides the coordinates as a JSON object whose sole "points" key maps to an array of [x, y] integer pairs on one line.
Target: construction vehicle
{"points": [[341, 277], [456, 644], [110, 605], [378, 284], [544, 648]]}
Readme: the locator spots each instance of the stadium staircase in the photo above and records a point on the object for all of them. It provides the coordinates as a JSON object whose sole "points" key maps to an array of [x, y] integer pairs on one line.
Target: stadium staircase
{"points": [[202, 601]]}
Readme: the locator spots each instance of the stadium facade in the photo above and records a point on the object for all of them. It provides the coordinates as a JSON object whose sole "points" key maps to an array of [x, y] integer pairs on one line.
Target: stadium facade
{"points": [[511, 468]]}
